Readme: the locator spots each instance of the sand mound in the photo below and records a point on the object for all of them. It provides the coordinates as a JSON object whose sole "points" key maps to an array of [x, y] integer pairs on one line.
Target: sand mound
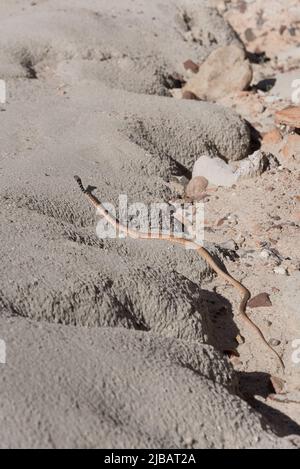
{"points": [[119, 389], [97, 40]]}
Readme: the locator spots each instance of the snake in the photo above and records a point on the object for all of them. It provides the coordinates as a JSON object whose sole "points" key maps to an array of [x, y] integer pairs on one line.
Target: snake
{"points": [[188, 243]]}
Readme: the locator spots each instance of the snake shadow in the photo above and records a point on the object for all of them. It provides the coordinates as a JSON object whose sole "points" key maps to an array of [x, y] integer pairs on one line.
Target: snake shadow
{"points": [[258, 384], [222, 329], [222, 332]]}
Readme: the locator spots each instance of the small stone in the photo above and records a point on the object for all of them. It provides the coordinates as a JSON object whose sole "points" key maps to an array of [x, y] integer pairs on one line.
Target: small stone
{"points": [[189, 95], [225, 71], [280, 270], [240, 339], [278, 384], [274, 342], [196, 187], [183, 180], [249, 35], [221, 221], [260, 300], [272, 137], [190, 65], [264, 254], [229, 245], [176, 93]]}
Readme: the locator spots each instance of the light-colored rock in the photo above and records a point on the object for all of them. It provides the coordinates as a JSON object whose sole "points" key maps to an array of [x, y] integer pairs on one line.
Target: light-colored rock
{"points": [[274, 342], [215, 170], [225, 71], [256, 164], [264, 254], [280, 270], [229, 245], [259, 301]]}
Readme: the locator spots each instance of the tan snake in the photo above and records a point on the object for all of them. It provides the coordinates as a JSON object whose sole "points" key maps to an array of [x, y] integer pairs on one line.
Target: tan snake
{"points": [[244, 292]]}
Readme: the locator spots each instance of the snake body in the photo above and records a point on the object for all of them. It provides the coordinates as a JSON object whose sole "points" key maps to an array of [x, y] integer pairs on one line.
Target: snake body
{"points": [[244, 292]]}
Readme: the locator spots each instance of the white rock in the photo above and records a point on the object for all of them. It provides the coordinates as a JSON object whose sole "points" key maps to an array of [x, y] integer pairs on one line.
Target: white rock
{"points": [[280, 270], [215, 170], [264, 254]]}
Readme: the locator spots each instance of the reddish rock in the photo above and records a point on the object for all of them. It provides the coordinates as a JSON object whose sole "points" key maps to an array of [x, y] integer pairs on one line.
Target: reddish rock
{"points": [[190, 65], [221, 221], [291, 149], [196, 187], [272, 137], [289, 116], [240, 339], [189, 95], [259, 301]]}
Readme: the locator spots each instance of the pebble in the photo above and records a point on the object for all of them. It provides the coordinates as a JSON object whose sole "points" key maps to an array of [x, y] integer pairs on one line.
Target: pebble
{"points": [[221, 221], [277, 384], [190, 65], [260, 300], [230, 245], [240, 339], [264, 254], [280, 270], [189, 95], [268, 323], [196, 187], [274, 342]]}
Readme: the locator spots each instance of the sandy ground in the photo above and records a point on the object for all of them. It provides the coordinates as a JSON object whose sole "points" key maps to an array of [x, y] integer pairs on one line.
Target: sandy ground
{"points": [[120, 343]]}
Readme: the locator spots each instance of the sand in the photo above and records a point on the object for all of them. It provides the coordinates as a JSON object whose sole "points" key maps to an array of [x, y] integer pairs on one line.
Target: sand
{"points": [[111, 343]]}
